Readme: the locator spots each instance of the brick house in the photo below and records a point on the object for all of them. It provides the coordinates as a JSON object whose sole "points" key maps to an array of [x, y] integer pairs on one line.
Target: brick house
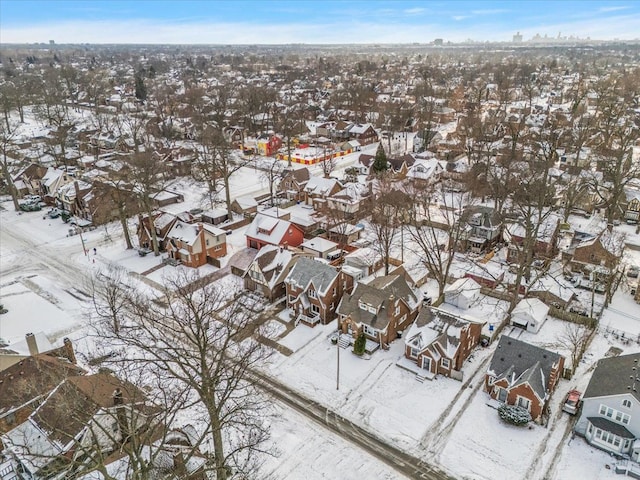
{"points": [[162, 222], [25, 384], [195, 244], [268, 270], [380, 309], [265, 230], [318, 189], [524, 375], [546, 243], [440, 342], [603, 251], [293, 183], [314, 290], [99, 410], [363, 133]]}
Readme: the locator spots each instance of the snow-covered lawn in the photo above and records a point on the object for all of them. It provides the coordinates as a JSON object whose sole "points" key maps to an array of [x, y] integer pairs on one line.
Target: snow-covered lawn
{"points": [[481, 446], [581, 460], [373, 390]]}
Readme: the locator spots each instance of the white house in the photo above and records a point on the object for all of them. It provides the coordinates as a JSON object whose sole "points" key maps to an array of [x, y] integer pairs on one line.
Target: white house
{"points": [[462, 293], [530, 314]]}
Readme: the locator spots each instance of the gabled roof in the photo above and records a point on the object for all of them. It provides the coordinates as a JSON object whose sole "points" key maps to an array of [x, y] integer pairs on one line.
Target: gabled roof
{"points": [[308, 272], [69, 408], [268, 229], [612, 377], [31, 378], [376, 295], [520, 362], [437, 331], [321, 185], [531, 307], [272, 261]]}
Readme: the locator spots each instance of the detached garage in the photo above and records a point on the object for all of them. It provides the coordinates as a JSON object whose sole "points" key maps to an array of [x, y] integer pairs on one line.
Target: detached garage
{"points": [[529, 314]]}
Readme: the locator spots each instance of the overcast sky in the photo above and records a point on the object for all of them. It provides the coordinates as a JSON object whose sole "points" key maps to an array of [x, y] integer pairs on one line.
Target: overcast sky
{"points": [[310, 21]]}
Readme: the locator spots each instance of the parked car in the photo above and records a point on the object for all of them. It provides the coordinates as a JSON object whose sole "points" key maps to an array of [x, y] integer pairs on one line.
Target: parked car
{"points": [[54, 213], [633, 271], [572, 402], [426, 300], [30, 207], [144, 251]]}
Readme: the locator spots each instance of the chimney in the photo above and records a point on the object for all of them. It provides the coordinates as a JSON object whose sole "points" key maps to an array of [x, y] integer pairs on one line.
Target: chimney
{"points": [[178, 463], [32, 344], [117, 397], [200, 226], [68, 350]]}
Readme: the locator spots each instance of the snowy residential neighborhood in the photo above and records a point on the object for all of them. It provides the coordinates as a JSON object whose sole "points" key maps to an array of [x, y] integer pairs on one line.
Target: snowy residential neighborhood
{"points": [[296, 262]]}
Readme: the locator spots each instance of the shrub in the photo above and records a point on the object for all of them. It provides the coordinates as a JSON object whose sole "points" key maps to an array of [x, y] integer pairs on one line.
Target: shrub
{"points": [[360, 344], [514, 415]]}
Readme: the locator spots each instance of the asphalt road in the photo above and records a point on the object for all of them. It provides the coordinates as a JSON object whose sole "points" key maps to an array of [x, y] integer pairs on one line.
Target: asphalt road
{"points": [[399, 460]]}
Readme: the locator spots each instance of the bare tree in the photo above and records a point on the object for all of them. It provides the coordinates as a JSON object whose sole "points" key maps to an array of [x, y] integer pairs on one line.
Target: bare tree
{"points": [[146, 172], [389, 209], [197, 337], [437, 221], [8, 163], [272, 174], [574, 338]]}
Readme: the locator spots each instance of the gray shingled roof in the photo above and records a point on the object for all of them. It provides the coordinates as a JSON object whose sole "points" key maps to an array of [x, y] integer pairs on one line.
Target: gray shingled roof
{"points": [[307, 270], [521, 362], [609, 426], [376, 293], [611, 377]]}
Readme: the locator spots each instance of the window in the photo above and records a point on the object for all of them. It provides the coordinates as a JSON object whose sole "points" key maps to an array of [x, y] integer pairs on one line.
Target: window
{"points": [[524, 402], [315, 309], [626, 403], [312, 293], [614, 414], [491, 379], [292, 299], [413, 353], [397, 310], [217, 248], [369, 330], [502, 394], [590, 429], [445, 362], [207, 242]]}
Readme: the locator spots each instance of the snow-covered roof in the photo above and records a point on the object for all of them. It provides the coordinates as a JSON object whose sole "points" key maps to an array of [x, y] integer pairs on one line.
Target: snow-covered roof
{"points": [[531, 308]]}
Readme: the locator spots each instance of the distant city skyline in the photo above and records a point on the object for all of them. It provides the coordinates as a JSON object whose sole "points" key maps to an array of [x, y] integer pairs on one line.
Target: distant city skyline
{"points": [[312, 22]]}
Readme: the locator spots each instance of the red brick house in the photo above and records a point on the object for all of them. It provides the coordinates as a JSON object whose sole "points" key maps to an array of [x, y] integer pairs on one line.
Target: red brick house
{"points": [[379, 309], [603, 250], [546, 244], [363, 133], [293, 183], [314, 290], [440, 342], [267, 272], [265, 230], [524, 375], [195, 244]]}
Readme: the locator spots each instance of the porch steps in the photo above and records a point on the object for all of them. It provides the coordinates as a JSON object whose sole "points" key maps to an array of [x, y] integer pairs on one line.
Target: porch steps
{"points": [[420, 378], [344, 341]]}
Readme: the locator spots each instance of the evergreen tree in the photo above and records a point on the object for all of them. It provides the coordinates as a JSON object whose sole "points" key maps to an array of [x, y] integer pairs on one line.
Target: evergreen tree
{"points": [[360, 344], [380, 160], [141, 89]]}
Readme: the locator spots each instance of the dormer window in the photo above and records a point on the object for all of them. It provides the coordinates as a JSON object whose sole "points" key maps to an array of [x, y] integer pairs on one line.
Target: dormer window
{"points": [[312, 293], [626, 403]]}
